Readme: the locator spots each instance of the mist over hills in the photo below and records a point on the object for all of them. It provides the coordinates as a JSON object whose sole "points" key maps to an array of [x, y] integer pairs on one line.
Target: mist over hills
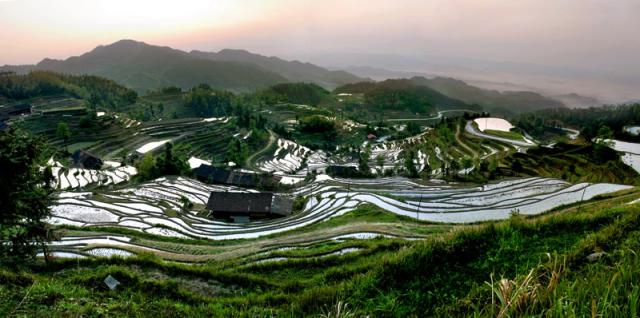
{"points": [[549, 80], [145, 67], [503, 102]]}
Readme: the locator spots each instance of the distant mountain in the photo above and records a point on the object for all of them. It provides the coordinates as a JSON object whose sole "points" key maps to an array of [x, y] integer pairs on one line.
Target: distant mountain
{"points": [[143, 67], [380, 74], [574, 100], [293, 71], [508, 102]]}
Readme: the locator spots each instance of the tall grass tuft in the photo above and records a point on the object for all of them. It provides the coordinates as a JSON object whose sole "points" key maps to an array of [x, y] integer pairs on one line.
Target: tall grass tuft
{"points": [[339, 310]]}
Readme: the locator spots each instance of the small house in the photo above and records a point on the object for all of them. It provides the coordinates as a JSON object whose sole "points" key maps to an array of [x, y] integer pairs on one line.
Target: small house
{"points": [[342, 171], [86, 160], [243, 207], [6, 112], [210, 174]]}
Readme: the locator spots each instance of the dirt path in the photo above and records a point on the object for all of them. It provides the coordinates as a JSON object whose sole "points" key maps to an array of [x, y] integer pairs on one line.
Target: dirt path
{"points": [[249, 162], [463, 145], [431, 118], [473, 131]]}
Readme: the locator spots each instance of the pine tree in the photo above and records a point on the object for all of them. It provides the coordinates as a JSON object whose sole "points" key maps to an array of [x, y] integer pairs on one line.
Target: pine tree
{"points": [[25, 196]]}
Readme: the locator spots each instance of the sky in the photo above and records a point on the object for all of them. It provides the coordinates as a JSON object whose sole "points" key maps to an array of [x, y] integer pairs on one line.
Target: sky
{"points": [[598, 35]]}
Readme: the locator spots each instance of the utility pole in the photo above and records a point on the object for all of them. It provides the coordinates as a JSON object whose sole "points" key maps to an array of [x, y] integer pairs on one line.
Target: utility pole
{"points": [[582, 198]]}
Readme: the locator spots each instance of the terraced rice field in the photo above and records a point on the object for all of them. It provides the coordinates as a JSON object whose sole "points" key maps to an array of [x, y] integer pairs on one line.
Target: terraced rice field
{"points": [[630, 152], [290, 158], [194, 137], [78, 178], [155, 207]]}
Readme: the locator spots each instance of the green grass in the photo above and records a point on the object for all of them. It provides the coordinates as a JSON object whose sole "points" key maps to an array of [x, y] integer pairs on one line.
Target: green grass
{"points": [[80, 145], [451, 274], [504, 134]]}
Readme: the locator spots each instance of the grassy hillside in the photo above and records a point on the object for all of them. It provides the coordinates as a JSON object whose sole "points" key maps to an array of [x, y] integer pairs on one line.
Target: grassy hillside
{"points": [[295, 93], [543, 261], [396, 98], [574, 163]]}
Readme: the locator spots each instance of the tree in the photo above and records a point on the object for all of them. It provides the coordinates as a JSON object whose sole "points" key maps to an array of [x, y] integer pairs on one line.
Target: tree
{"points": [[170, 164], [363, 160], [427, 168], [516, 166], [413, 128], [146, 167], [380, 161], [466, 164], [604, 135], [25, 196], [207, 102], [187, 205], [64, 133], [94, 100], [237, 152], [409, 156]]}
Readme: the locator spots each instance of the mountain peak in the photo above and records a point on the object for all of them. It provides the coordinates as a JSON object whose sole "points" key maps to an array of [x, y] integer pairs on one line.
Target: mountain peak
{"points": [[120, 46]]}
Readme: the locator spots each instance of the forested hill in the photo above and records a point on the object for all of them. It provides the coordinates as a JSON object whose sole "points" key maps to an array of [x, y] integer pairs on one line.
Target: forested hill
{"points": [[39, 83], [294, 71], [403, 94], [508, 103], [144, 67]]}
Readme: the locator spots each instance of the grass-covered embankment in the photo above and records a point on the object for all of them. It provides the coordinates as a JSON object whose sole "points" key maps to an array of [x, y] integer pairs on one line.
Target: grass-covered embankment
{"points": [[542, 258]]}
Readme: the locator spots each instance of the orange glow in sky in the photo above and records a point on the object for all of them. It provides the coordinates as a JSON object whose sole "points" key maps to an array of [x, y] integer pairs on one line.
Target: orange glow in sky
{"points": [[597, 34]]}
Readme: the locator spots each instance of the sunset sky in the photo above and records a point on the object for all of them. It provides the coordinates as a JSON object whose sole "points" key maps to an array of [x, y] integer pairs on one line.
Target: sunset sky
{"points": [[590, 34]]}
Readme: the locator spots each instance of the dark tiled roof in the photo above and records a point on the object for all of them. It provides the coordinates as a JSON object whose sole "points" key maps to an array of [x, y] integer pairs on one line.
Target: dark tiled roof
{"points": [[342, 171], [236, 203], [15, 110], [84, 159], [210, 174], [240, 202]]}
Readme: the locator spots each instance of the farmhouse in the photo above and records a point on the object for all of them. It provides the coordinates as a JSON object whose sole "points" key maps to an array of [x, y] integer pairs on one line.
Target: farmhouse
{"points": [[7, 112], [242, 207], [342, 171], [210, 174], [86, 160]]}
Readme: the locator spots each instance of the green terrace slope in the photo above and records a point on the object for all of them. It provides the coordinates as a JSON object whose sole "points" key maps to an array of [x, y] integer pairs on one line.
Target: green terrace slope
{"points": [[112, 137]]}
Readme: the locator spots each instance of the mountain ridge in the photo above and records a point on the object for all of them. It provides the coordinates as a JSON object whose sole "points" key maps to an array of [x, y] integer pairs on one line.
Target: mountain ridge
{"points": [[145, 67]]}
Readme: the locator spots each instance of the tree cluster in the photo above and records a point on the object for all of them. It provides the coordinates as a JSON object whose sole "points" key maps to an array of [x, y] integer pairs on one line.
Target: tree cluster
{"points": [[100, 92], [168, 163]]}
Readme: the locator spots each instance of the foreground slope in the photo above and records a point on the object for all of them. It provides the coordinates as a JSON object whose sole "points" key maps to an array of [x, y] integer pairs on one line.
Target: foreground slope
{"points": [[543, 259]]}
